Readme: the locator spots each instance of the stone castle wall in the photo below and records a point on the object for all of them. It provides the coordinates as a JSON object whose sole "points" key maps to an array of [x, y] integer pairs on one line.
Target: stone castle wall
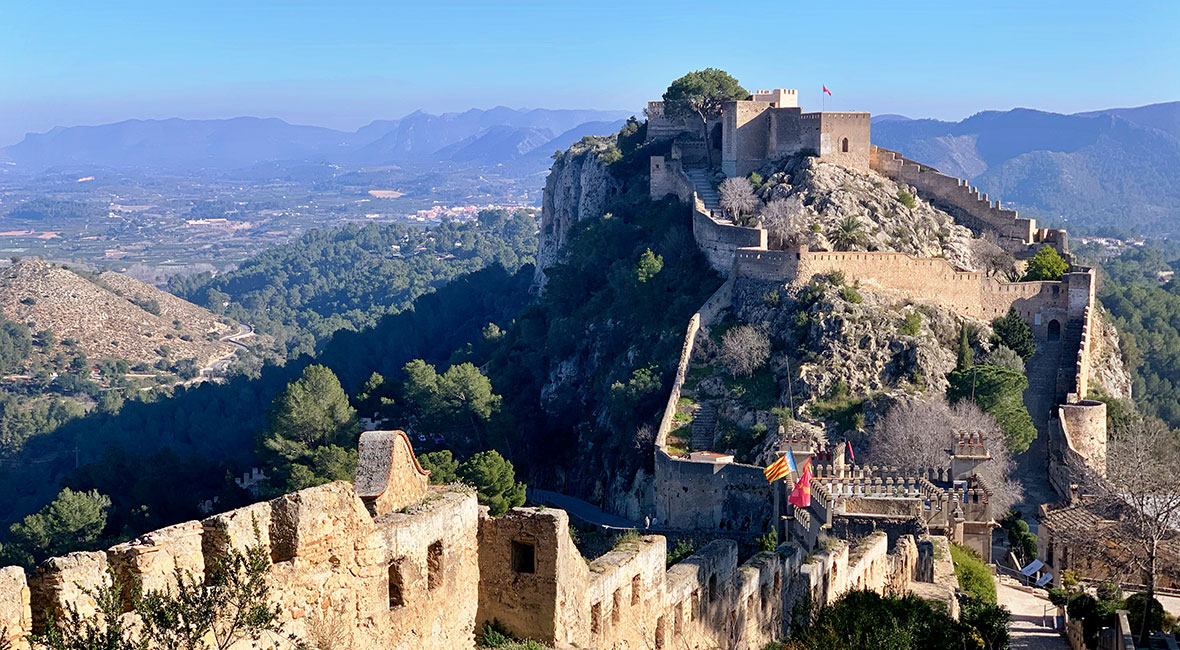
{"points": [[966, 203], [720, 241], [934, 280]]}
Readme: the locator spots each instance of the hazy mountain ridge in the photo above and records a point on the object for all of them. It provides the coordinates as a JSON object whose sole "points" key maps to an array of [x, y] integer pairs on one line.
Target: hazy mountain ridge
{"points": [[243, 141], [1117, 167]]}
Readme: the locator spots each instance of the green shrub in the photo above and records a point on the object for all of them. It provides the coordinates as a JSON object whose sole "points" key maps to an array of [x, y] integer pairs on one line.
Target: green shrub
{"points": [[911, 324], [1046, 265], [850, 294], [907, 199], [683, 549], [975, 579], [771, 299]]}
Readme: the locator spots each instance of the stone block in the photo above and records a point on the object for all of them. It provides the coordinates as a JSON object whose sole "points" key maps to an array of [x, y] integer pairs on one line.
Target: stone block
{"points": [[15, 616], [154, 557], [64, 581]]}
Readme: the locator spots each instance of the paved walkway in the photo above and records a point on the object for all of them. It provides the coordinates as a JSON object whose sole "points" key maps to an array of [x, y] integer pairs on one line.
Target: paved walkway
{"points": [[1030, 615], [1033, 465]]}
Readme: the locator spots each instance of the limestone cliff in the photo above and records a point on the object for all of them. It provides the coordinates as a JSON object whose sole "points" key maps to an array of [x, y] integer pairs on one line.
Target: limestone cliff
{"points": [[1110, 374], [578, 187], [820, 195]]}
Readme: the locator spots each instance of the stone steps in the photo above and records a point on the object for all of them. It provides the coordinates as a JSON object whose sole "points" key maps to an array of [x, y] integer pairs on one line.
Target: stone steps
{"points": [[704, 428], [704, 188]]}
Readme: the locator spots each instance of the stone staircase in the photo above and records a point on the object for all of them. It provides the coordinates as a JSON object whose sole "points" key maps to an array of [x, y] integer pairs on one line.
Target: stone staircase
{"points": [[1071, 340], [702, 184], [704, 427]]}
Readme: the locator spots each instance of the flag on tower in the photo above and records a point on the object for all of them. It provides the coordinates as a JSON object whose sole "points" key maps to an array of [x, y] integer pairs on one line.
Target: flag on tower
{"points": [[801, 496], [791, 461], [778, 469], [827, 91]]}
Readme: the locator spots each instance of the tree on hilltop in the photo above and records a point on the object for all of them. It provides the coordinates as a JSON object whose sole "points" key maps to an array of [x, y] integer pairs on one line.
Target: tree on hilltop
{"points": [[702, 93], [72, 522], [1045, 265], [495, 481]]}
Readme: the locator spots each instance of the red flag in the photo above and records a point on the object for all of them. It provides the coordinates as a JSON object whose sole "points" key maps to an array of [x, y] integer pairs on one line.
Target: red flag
{"points": [[851, 456], [827, 91], [801, 496]]}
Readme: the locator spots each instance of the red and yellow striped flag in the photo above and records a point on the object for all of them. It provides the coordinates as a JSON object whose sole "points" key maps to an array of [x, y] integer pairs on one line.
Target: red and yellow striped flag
{"points": [[800, 497], [778, 469]]}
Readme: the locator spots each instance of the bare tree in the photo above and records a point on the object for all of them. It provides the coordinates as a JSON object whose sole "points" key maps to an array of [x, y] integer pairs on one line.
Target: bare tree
{"points": [[918, 434], [744, 349], [913, 435], [737, 196], [781, 219], [1138, 503], [998, 473]]}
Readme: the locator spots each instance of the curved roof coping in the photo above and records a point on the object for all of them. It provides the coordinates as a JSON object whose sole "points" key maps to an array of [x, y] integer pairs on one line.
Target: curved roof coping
{"points": [[375, 454]]}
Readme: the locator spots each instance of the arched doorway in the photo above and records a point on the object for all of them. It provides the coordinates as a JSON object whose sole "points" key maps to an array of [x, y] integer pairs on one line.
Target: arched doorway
{"points": [[844, 145], [1054, 330]]}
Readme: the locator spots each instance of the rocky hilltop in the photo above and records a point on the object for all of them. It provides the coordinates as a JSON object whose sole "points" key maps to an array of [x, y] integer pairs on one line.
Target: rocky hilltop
{"points": [[111, 316]]}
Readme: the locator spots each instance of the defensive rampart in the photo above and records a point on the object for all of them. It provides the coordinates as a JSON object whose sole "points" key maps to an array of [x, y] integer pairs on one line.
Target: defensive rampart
{"points": [[966, 203], [969, 293]]}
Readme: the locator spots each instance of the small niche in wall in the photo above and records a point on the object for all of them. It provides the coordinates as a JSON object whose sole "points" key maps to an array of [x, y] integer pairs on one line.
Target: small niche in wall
{"points": [[434, 562], [595, 618], [397, 585], [636, 590], [524, 557]]}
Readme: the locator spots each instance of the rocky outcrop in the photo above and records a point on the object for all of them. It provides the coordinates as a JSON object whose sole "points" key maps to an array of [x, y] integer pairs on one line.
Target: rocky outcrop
{"points": [[1109, 371], [578, 187], [821, 195]]}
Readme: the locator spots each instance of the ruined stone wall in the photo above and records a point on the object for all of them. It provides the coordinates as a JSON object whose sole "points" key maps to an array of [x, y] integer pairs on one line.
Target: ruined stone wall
{"points": [[667, 177], [15, 617], [660, 126], [966, 203]]}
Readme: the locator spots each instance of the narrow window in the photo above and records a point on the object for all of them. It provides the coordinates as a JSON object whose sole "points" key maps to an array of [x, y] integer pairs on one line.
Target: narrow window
{"points": [[434, 561], [713, 588], [695, 605], [778, 585], [595, 618], [397, 596], [636, 587], [660, 632], [844, 145], [678, 619], [750, 604], [765, 594], [524, 557], [616, 611]]}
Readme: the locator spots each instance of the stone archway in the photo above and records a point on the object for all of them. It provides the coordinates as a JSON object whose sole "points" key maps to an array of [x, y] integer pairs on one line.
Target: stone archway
{"points": [[1054, 330]]}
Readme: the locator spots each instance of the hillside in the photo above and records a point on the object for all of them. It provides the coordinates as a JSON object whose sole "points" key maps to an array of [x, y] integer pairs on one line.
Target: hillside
{"points": [[111, 316], [1116, 168]]}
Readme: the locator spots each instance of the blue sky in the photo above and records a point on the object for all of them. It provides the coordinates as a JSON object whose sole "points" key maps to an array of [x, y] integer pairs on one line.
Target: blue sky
{"points": [[343, 63]]}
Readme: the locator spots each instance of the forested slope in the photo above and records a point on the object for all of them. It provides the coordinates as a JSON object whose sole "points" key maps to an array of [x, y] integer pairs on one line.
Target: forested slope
{"points": [[348, 278]]}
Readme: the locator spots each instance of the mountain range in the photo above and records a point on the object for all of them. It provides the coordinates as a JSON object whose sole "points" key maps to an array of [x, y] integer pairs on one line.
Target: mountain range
{"points": [[1106, 170], [1101, 171], [496, 136]]}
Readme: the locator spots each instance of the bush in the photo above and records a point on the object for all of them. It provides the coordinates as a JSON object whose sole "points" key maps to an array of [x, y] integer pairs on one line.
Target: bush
{"points": [[907, 199], [975, 578], [911, 324], [683, 549], [850, 294], [1000, 393]]}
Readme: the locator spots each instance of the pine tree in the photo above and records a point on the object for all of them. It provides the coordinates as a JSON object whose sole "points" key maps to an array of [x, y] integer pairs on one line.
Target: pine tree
{"points": [[966, 358]]}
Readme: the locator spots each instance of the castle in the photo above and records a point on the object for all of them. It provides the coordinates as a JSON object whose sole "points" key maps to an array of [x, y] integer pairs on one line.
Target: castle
{"points": [[767, 127]]}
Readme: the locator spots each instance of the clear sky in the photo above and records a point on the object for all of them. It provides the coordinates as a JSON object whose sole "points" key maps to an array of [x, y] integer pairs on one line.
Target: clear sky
{"points": [[342, 63]]}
